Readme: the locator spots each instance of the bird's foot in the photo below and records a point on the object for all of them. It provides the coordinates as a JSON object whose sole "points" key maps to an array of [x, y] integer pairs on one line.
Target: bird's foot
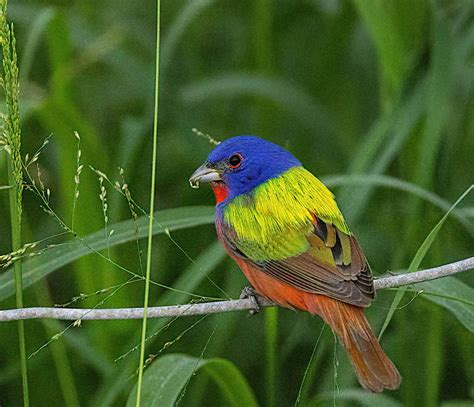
{"points": [[254, 297]]}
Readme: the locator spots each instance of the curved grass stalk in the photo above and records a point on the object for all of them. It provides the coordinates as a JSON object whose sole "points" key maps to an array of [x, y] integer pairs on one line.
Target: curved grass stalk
{"points": [[419, 256], [374, 180]]}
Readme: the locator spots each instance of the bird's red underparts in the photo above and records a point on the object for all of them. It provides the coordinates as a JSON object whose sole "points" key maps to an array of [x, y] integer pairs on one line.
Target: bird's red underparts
{"points": [[220, 191]]}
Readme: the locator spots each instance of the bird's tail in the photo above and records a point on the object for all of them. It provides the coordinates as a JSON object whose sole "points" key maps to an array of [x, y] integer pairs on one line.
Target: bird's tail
{"points": [[373, 368]]}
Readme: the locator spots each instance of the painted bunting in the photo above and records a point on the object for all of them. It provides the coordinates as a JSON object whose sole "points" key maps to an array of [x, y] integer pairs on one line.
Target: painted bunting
{"points": [[285, 231]]}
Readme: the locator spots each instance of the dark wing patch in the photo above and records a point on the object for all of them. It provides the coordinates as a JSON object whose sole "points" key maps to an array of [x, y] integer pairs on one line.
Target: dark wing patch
{"points": [[320, 230], [340, 283]]}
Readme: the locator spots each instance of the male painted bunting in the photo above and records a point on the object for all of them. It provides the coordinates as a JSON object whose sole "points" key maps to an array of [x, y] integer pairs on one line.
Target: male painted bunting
{"points": [[285, 231]]}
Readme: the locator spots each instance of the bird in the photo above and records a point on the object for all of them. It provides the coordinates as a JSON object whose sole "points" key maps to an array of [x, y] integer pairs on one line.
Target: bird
{"points": [[283, 228]]}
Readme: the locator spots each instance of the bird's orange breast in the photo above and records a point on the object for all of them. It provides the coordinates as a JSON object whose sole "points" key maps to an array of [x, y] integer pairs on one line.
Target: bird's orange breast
{"points": [[279, 292]]}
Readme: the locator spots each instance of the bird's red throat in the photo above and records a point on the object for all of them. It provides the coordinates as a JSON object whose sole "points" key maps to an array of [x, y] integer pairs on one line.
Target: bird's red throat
{"points": [[220, 191]]}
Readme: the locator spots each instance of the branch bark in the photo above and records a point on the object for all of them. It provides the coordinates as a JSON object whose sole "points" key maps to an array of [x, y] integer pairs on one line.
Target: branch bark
{"points": [[216, 306]]}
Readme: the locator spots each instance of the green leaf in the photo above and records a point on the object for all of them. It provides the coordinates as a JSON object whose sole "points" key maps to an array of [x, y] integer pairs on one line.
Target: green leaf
{"points": [[165, 379], [454, 295], [231, 381], [38, 267]]}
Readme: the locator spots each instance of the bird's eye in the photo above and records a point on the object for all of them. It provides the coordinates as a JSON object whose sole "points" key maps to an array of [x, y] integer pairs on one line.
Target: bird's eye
{"points": [[235, 161]]}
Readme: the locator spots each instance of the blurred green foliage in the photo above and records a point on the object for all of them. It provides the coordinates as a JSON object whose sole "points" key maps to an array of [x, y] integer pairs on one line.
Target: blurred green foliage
{"points": [[361, 87]]}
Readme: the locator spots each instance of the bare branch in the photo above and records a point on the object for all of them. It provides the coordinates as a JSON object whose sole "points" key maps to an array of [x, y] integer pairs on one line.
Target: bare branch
{"points": [[425, 275], [217, 306]]}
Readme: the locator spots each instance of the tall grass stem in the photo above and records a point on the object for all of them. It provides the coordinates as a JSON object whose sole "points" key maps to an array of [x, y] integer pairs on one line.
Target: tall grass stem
{"points": [[12, 133], [152, 206]]}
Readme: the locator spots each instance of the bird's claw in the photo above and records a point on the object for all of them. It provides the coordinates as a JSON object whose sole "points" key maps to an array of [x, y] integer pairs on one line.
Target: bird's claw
{"points": [[251, 294]]}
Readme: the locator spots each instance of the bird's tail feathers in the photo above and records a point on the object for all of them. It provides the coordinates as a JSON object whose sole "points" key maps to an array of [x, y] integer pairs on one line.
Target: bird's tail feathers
{"points": [[373, 367]]}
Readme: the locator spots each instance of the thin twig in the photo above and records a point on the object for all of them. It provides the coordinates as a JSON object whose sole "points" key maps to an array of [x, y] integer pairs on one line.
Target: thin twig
{"points": [[215, 307]]}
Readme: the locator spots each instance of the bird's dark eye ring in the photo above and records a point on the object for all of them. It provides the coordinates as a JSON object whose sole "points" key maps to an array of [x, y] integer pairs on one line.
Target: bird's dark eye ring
{"points": [[235, 161]]}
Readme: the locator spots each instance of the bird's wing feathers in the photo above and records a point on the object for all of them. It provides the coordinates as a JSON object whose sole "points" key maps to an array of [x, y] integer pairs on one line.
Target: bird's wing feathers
{"points": [[291, 228], [333, 265]]}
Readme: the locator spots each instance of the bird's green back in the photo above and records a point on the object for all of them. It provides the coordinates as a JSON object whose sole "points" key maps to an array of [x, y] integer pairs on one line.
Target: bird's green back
{"points": [[275, 219]]}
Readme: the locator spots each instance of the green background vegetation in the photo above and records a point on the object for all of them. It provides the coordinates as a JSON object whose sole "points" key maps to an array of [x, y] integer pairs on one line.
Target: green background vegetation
{"points": [[380, 88]]}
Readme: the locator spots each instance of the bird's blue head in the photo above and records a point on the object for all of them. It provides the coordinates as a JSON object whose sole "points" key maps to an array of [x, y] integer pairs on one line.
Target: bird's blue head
{"points": [[239, 164]]}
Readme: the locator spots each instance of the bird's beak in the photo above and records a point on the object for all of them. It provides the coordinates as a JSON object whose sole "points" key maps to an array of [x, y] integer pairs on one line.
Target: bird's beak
{"points": [[204, 174]]}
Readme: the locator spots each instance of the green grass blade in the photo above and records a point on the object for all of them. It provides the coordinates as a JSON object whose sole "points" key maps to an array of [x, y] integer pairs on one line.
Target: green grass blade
{"points": [[231, 382], [419, 256], [166, 378]]}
